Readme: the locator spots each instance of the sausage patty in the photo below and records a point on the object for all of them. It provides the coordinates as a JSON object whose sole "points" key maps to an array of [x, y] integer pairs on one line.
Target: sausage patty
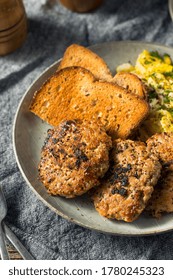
{"points": [[162, 145], [162, 197], [128, 184], [74, 157]]}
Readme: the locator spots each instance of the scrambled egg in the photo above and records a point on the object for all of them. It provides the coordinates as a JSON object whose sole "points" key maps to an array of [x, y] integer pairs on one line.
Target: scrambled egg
{"points": [[156, 71]]}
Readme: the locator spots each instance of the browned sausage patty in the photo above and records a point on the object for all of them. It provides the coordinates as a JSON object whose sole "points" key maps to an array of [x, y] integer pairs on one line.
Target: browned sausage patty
{"points": [[162, 197], [162, 146], [74, 157], [128, 184]]}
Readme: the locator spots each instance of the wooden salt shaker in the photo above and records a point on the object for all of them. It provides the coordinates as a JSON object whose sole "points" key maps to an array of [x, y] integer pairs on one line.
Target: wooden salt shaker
{"points": [[81, 6], [13, 25]]}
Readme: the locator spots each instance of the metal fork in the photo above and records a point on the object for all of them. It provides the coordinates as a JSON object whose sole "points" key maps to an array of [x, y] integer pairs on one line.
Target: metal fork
{"points": [[3, 213], [10, 235]]}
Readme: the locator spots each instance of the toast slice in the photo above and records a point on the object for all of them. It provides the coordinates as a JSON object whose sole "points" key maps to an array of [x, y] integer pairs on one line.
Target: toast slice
{"points": [[130, 82], [74, 93], [76, 55]]}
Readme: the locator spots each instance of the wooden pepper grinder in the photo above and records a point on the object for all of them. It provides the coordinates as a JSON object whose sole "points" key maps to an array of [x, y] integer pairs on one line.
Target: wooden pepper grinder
{"points": [[81, 6], [13, 25]]}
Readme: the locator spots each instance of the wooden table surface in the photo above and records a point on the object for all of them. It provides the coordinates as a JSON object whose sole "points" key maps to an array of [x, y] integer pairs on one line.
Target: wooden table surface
{"points": [[13, 254]]}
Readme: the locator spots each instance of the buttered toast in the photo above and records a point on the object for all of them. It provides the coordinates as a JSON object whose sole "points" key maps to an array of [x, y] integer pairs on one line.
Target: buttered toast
{"points": [[74, 93], [130, 82], [76, 55]]}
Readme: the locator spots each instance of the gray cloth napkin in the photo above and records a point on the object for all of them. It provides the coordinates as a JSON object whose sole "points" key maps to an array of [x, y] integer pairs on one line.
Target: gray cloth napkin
{"points": [[50, 30]]}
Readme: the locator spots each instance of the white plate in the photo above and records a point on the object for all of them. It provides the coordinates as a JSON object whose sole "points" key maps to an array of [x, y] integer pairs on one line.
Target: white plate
{"points": [[29, 134]]}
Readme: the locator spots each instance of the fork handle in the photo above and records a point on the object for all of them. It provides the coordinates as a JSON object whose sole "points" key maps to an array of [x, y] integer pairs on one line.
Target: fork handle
{"points": [[17, 244], [3, 248]]}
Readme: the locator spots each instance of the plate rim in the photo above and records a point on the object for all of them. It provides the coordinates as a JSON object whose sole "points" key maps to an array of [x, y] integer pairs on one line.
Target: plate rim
{"points": [[153, 232], [170, 7]]}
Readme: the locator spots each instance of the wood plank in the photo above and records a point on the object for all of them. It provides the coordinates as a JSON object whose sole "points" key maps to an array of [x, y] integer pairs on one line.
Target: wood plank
{"points": [[13, 253]]}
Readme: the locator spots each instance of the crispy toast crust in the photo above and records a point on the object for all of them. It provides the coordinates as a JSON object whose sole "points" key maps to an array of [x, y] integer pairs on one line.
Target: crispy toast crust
{"points": [[74, 92]]}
